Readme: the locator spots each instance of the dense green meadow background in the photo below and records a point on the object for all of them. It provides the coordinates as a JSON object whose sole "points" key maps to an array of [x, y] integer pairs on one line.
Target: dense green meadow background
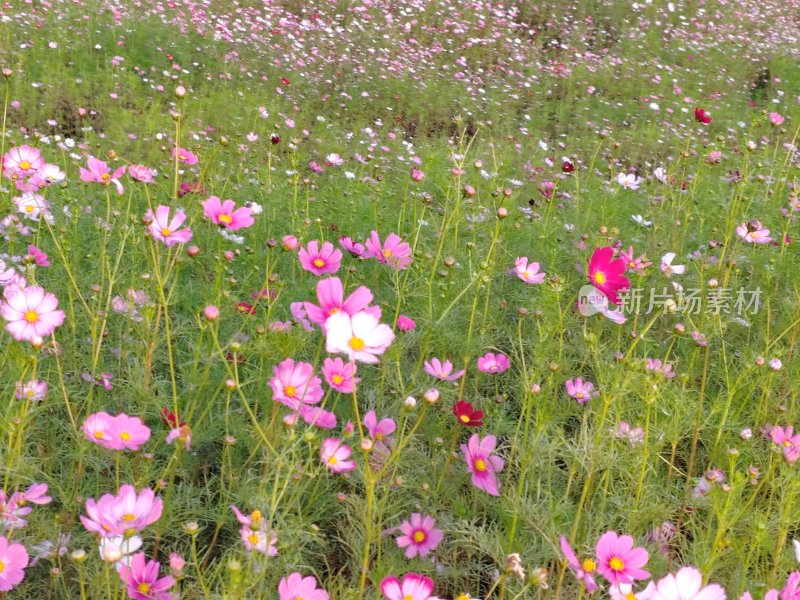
{"points": [[488, 100]]}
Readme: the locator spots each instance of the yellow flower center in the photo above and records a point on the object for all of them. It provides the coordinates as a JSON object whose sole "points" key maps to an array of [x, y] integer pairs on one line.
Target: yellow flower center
{"points": [[98, 435], [2, 566], [356, 343], [255, 516], [31, 316], [319, 263], [290, 391], [24, 165], [464, 418], [333, 311], [337, 379], [786, 443], [600, 278], [579, 395], [253, 538], [225, 219], [143, 587], [125, 436], [30, 208], [630, 596], [419, 536], [616, 564], [182, 156], [589, 565], [480, 465], [463, 597], [332, 460], [166, 232], [105, 177], [387, 253], [128, 518], [408, 597]]}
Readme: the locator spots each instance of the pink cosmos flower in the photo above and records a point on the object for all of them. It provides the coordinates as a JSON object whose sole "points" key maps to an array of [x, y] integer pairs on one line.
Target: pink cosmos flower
{"points": [[97, 429], [225, 214], [776, 118], [340, 375], [638, 265], [419, 535], [33, 206], [606, 273], [123, 514], [36, 256], [618, 560], [442, 370], [142, 582], [655, 365], [392, 252], [378, 430], [335, 454], [753, 232], [14, 559], [629, 181], [528, 272], [582, 570], [330, 294], [687, 584], [412, 587], [31, 313], [23, 161], [362, 337], [142, 174], [127, 433], [33, 390], [405, 323], [355, 249], [581, 390], [187, 157], [165, 230], [182, 433], [787, 441], [255, 532], [320, 261], [98, 172], [483, 465], [493, 363], [295, 385], [295, 587]]}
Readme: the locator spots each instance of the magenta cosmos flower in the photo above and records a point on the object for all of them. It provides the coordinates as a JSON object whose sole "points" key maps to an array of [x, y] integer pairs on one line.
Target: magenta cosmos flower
{"points": [[23, 161], [419, 535], [493, 363], [123, 514], [14, 559], [295, 385], [142, 582], [412, 587], [528, 271], [686, 584], [582, 570], [788, 442], [98, 172], [483, 465], [362, 337], [31, 313], [581, 390], [225, 214], [335, 455], [341, 376], [320, 261], [187, 157], [168, 231], [442, 370], [618, 560], [393, 252], [330, 294], [295, 587], [355, 249], [606, 273], [378, 430]]}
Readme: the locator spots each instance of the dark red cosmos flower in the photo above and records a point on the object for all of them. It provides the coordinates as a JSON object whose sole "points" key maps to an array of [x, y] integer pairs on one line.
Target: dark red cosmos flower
{"points": [[701, 116], [245, 308], [567, 167], [275, 139], [467, 415], [170, 420], [284, 81]]}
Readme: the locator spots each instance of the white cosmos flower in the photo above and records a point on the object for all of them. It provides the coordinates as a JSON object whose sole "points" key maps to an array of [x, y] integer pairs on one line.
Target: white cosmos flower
{"points": [[362, 337]]}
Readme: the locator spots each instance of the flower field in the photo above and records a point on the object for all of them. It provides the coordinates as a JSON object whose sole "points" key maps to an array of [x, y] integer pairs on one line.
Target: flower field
{"points": [[399, 299]]}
